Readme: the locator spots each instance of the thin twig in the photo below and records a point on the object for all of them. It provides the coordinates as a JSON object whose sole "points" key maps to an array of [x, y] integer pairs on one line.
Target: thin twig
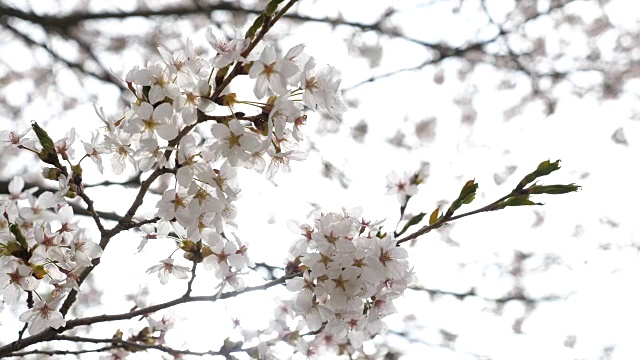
{"points": [[193, 277], [443, 220]]}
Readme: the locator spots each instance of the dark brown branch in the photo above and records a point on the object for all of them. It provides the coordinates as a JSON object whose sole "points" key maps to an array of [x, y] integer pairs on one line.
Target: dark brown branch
{"points": [[91, 210], [501, 300], [126, 344], [62, 352], [50, 334], [193, 277], [73, 19]]}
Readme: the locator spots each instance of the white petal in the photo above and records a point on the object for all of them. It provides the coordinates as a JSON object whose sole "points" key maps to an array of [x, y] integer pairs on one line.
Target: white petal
{"points": [[16, 185], [167, 131], [156, 94], [163, 112]]}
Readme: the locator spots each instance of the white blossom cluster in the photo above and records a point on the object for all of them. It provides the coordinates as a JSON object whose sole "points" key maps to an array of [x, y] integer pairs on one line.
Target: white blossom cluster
{"points": [[351, 275], [156, 133], [42, 250]]}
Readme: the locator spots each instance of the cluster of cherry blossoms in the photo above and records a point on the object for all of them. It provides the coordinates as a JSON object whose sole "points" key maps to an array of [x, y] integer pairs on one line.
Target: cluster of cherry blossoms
{"points": [[351, 275], [351, 272], [42, 252], [156, 133]]}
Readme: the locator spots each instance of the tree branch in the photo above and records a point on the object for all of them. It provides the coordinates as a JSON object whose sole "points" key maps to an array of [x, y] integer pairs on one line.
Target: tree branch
{"points": [[50, 333], [501, 300]]}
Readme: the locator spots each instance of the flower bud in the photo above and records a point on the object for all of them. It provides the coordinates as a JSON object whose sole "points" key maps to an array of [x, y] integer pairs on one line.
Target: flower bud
{"points": [[51, 173]]}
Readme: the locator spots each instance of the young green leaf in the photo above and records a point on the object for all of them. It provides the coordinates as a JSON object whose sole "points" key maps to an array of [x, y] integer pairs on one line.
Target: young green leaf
{"points": [[552, 189], [413, 221], [520, 200], [43, 137], [467, 194], [272, 6], [545, 168], [15, 230], [434, 216], [257, 23]]}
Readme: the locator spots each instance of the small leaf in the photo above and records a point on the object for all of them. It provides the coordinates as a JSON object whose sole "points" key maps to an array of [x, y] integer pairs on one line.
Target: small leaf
{"points": [[552, 189], [43, 137], [12, 248], [434, 216], [467, 195], [15, 230], [414, 220], [520, 200], [257, 23], [272, 6], [545, 168]]}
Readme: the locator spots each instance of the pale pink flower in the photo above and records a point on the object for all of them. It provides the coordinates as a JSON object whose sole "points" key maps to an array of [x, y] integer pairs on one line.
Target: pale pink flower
{"points": [[166, 267], [42, 316], [63, 146], [193, 99], [228, 51], [150, 120], [84, 250], [94, 149], [271, 72], [15, 279], [13, 139], [233, 142], [173, 204]]}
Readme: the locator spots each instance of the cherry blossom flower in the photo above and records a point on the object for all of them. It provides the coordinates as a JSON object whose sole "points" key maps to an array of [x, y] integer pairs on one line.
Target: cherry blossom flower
{"points": [[16, 192], [187, 157], [321, 89], [402, 187], [14, 279], [159, 78], [42, 316], [38, 208], [109, 124], [166, 267], [184, 62], [194, 99], [173, 205], [94, 149], [84, 250], [233, 143], [228, 51], [119, 145], [13, 139], [152, 120], [64, 145], [158, 231], [224, 254], [271, 72], [149, 155], [280, 161]]}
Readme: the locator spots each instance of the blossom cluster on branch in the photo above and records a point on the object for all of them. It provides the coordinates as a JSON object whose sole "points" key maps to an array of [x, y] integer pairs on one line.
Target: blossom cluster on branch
{"points": [[351, 274], [183, 122]]}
